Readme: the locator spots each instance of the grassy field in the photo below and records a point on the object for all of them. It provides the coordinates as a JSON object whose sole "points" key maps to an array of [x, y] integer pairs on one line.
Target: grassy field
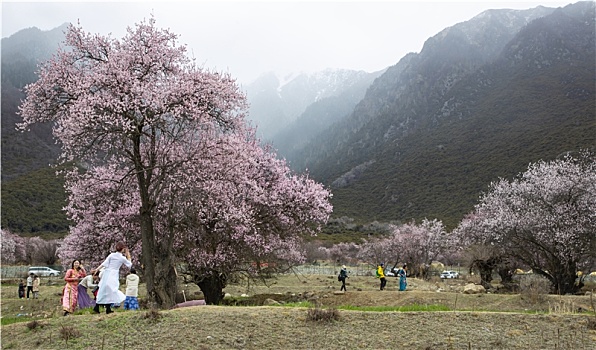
{"points": [[430, 315]]}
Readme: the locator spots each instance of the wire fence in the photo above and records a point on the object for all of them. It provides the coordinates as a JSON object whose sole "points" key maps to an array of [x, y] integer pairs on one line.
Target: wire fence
{"points": [[19, 271], [364, 270], [8, 272], [358, 270]]}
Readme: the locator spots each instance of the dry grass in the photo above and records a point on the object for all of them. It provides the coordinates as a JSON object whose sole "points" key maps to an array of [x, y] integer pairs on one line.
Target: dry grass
{"points": [[485, 321], [316, 314]]}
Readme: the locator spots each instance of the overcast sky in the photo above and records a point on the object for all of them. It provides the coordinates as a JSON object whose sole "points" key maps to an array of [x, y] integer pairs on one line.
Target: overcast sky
{"points": [[249, 38]]}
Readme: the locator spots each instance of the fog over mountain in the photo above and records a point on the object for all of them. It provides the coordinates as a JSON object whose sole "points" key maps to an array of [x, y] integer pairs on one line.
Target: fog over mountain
{"points": [[421, 138], [248, 38], [276, 103], [482, 100], [21, 53]]}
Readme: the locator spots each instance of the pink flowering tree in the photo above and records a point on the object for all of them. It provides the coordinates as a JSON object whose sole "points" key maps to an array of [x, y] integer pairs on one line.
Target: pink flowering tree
{"points": [[419, 244], [39, 250], [249, 211], [315, 251], [375, 251], [104, 205], [162, 150], [231, 209], [415, 244], [13, 248], [344, 252], [545, 218]]}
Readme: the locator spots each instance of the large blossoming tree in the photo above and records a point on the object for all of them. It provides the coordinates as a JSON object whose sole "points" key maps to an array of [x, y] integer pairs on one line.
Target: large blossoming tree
{"points": [[166, 161], [545, 219]]}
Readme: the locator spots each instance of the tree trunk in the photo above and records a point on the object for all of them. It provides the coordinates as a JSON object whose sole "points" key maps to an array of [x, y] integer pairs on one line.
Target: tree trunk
{"points": [[165, 286], [212, 286], [506, 275], [485, 268], [158, 268], [147, 251], [158, 263], [564, 283], [562, 275]]}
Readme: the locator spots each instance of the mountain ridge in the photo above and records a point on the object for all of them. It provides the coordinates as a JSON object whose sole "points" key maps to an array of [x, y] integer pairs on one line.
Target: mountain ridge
{"points": [[275, 103], [422, 138], [396, 150]]}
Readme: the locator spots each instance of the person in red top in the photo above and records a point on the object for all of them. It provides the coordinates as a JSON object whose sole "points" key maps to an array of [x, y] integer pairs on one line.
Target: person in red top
{"points": [[70, 293]]}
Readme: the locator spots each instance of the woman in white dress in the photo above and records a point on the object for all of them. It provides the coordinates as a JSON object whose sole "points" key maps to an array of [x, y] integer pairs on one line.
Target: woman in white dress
{"points": [[109, 283]]}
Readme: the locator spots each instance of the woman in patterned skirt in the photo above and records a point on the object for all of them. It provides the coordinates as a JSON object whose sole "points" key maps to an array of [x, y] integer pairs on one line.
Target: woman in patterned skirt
{"points": [[70, 293]]}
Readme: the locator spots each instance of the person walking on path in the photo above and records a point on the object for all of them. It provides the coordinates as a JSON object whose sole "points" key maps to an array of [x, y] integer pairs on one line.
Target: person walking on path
{"points": [[29, 284], [343, 274], [70, 293], [88, 282], [132, 291], [402, 273], [381, 275], [109, 283], [36, 283]]}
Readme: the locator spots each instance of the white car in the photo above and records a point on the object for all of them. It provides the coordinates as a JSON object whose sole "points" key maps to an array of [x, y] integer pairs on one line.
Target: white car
{"points": [[449, 274], [43, 271]]}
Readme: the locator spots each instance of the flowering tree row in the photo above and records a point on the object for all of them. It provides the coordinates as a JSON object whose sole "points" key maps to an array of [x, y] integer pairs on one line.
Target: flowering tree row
{"points": [[417, 245], [544, 220]]}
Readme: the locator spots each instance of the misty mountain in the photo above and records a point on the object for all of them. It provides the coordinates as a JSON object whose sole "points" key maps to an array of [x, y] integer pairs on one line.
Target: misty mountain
{"points": [[276, 103], [481, 100], [32, 195], [424, 138], [21, 53], [320, 115]]}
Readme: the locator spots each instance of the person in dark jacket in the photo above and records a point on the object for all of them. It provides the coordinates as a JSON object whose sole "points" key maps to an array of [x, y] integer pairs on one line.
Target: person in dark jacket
{"points": [[21, 289], [343, 274]]}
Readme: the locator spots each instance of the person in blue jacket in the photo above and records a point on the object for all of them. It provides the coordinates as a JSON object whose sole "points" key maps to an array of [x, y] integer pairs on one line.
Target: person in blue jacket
{"points": [[402, 273]]}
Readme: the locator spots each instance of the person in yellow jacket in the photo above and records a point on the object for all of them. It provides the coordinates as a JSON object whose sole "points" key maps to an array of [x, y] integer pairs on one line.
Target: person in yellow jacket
{"points": [[381, 275]]}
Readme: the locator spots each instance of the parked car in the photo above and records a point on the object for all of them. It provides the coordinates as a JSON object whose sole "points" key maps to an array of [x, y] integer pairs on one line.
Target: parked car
{"points": [[43, 271], [449, 274]]}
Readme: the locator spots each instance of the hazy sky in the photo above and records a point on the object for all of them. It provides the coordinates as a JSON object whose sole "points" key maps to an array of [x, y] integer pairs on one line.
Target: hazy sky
{"points": [[247, 38]]}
